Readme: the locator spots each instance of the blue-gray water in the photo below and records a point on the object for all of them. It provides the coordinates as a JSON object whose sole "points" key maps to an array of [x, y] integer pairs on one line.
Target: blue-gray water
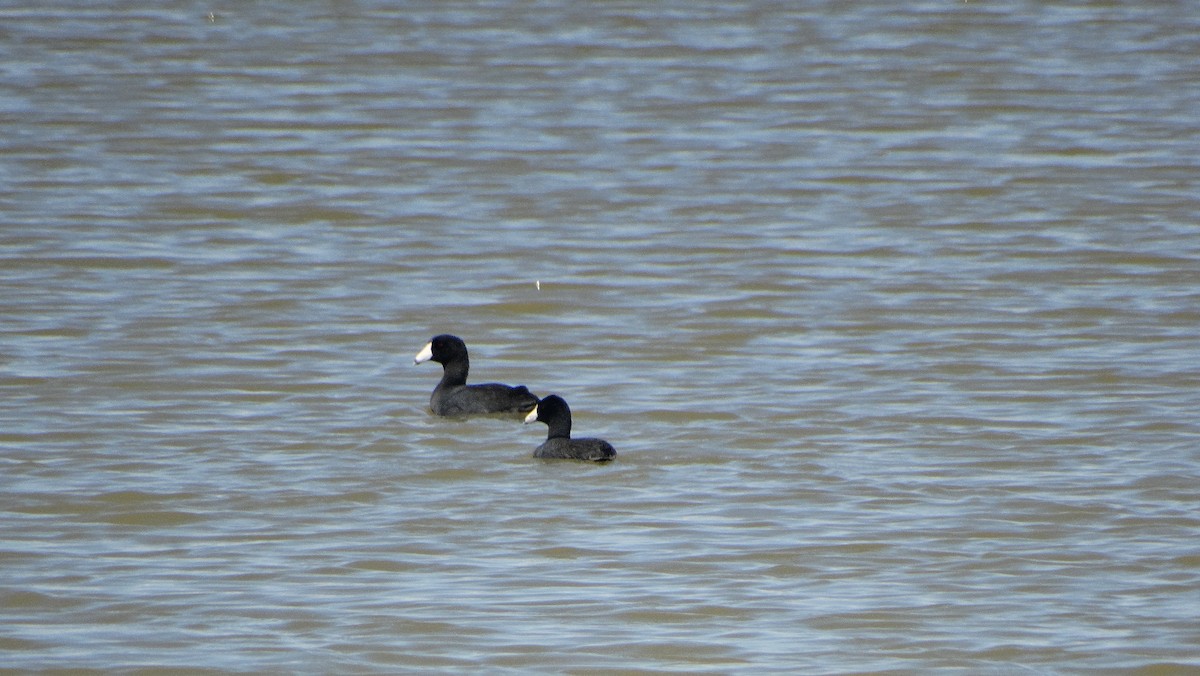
{"points": [[891, 310]]}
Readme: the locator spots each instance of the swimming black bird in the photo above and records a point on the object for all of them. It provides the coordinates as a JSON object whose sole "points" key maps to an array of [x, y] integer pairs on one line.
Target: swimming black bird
{"points": [[454, 397], [553, 411]]}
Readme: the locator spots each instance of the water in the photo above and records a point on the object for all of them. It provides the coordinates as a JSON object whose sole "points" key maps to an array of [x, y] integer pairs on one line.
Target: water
{"points": [[890, 312]]}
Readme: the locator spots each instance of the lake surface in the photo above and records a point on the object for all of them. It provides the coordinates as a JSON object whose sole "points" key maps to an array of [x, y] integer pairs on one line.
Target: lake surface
{"points": [[891, 310]]}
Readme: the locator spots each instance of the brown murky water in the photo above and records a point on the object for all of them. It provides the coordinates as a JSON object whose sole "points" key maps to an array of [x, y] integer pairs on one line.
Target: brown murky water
{"points": [[892, 313]]}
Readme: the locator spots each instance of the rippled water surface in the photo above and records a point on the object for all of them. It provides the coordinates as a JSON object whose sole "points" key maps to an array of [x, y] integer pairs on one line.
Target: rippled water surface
{"points": [[892, 312]]}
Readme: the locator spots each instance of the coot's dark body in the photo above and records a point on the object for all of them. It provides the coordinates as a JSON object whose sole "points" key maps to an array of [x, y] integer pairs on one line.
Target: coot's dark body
{"points": [[553, 411], [454, 397]]}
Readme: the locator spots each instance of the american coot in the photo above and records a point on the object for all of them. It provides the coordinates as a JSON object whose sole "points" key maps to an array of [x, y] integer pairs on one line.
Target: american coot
{"points": [[454, 397], [557, 415]]}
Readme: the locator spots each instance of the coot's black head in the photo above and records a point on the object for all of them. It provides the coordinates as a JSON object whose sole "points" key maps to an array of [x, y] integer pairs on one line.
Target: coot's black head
{"points": [[553, 411], [442, 349]]}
